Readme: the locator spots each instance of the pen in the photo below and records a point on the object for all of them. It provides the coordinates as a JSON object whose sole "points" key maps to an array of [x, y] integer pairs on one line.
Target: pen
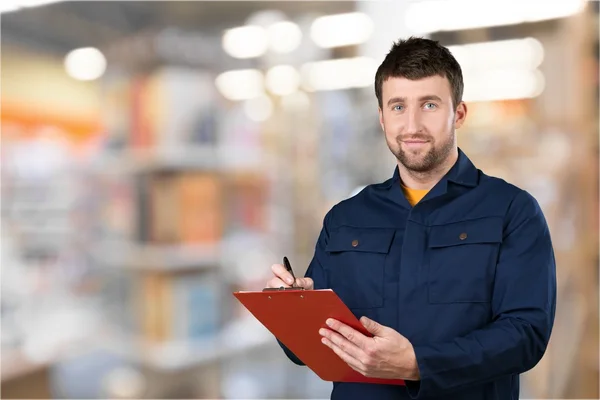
{"points": [[286, 262]]}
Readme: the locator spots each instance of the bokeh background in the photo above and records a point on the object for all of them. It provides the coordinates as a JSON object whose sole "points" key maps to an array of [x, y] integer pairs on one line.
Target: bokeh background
{"points": [[157, 156]]}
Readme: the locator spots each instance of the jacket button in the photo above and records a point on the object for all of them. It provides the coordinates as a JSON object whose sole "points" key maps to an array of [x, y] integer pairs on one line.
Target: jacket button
{"points": [[354, 243], [462, 236]]}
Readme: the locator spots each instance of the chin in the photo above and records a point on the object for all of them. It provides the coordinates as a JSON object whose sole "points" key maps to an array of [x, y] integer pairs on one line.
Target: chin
{"points": [[417, 166], [417, 153], [414, 162]]}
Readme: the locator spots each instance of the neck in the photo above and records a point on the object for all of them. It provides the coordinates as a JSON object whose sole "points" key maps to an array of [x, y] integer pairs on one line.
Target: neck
{"points": [[428, 179]]}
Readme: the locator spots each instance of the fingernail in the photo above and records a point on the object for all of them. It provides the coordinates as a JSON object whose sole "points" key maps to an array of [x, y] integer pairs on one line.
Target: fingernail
{"points": [[329, 322], [322, 332], [324, 341], [290, 281]]}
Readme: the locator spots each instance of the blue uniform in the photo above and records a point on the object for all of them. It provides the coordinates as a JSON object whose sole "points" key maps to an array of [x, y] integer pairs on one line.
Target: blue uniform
{"points": [[467, 275]]}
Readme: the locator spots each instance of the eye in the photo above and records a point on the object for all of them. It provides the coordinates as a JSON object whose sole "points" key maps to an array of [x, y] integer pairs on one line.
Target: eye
{"points": [[430, 106], [397, 107]]}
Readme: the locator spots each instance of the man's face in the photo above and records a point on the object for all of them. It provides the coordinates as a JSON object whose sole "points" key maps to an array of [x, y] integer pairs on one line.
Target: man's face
{"points": [[419, 120]]}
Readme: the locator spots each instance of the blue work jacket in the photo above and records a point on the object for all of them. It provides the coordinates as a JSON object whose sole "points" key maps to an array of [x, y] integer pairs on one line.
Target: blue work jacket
{"points": [[467, 275]]}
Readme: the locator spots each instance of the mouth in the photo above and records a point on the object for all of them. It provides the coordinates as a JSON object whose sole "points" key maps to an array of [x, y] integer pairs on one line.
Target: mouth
{"points": [[415, 143]]}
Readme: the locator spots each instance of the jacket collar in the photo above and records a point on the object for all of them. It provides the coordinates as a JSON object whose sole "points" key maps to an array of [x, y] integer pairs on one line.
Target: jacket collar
{"points": [[463, 173]]}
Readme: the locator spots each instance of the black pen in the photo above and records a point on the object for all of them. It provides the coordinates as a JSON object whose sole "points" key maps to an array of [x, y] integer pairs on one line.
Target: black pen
{"points": [[287, 265]]}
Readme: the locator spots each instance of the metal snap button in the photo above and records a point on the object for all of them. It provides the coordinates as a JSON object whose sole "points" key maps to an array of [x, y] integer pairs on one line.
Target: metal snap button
{"points": [[354, 243], [462, 236]]}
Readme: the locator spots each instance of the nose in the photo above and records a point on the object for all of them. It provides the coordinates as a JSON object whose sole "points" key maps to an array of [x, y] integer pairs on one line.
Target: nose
{"points": [[413, 122]]}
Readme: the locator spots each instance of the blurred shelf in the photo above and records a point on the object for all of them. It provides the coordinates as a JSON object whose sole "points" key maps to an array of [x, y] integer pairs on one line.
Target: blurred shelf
{"points": [[240, 336], [16, 363], [15, 182], [160, 258], [38, 229], [25, 210], [194, 157], [132, 161]]}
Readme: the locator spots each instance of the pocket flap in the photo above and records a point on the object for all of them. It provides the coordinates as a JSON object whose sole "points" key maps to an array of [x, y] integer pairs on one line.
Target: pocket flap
{"points": [[483, 230], [373, 240]]}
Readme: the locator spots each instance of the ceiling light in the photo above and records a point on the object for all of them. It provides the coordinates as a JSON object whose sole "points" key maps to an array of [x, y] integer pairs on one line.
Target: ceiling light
{"points": [[341, 29], [503, 85], [13, 5], [284, 37], [449, 15], [282, 80], [525, 53], [245, 41], [337, 74], [265, 18], [9, 6], [85, 64], [240, 84]]}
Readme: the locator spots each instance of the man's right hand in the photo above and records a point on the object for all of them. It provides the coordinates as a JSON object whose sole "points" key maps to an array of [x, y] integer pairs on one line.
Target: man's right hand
{"points": [[283, 278]]}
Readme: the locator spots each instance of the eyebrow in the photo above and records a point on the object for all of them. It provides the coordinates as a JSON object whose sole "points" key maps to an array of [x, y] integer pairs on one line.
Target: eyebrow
{"points": [[422, 98]]}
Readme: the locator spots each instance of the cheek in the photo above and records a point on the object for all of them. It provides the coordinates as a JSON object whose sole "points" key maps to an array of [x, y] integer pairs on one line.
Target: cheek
{"points": [[450, 120], [392, 124], [390, 136], [392, 130], [438, 123]]}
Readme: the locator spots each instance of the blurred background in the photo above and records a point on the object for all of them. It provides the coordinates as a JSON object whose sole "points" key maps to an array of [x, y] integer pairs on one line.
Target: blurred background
{"points": [[157, 156]]}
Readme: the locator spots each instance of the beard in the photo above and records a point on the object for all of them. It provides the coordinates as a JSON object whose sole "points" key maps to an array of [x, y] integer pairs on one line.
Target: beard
{"points": [[423, 161]]}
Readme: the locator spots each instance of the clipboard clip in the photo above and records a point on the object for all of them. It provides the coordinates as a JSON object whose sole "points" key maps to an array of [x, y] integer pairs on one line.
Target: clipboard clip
{"points": [[281, 289]]}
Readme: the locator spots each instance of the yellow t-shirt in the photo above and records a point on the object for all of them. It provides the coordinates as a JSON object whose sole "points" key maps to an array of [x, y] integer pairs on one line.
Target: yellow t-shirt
{"points": [[414, 195]]}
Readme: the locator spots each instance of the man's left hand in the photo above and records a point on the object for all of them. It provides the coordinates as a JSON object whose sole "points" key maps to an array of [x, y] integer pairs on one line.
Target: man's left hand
{"points": [[387, 354]]}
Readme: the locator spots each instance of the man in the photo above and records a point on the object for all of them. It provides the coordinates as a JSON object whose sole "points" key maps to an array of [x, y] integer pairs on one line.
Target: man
{"points": [[451, 270]]}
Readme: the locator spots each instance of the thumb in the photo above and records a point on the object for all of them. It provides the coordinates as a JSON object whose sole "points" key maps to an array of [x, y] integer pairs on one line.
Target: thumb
{"points": [[373, 327]]}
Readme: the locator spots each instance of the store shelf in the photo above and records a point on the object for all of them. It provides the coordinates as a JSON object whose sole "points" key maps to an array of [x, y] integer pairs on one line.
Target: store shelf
{"points": [[240, 336], [132, 161], [204, 158], [16, 362], [167, 258], [225, 159]]}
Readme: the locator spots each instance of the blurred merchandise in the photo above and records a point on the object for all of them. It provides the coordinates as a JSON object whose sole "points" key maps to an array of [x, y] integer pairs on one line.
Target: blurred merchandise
{"points": [[157, 156]]}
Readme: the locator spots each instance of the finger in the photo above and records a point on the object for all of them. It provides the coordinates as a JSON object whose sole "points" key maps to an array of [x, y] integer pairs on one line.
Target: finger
{"points": [[282, 273], [306, 283], [347, 358], [343, 343], [373, 327], [349, 333], [276, 283]]}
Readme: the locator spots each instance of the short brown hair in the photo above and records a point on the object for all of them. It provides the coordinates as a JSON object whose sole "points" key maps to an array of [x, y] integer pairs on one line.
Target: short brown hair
{"points": [[417, 58]]}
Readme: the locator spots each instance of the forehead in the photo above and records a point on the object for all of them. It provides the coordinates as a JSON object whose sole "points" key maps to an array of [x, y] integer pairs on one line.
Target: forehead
{"points": [[403, 87]]}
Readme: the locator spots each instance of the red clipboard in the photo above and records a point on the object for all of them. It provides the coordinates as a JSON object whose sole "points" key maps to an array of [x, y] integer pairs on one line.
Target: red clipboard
{"points": [[295, 317]]}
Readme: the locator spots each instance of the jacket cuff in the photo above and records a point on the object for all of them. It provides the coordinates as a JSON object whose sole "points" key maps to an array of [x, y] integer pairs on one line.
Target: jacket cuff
{"points": [[418, 389]]}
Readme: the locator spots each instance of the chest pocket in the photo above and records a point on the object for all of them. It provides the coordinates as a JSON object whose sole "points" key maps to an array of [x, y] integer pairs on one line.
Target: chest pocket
{"points": [[356, 270], [462, 260]]}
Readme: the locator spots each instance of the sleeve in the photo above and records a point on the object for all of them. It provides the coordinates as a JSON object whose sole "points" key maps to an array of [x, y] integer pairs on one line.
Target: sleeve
{"points": [[315, 271], [523, 306]]}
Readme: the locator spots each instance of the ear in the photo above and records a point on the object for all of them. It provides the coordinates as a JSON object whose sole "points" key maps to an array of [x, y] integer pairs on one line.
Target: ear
{"points": [[460, 115], [381, 119]]}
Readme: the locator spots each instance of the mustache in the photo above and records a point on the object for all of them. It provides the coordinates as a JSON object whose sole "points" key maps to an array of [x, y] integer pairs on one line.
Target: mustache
{"points": [[414, 137]]}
